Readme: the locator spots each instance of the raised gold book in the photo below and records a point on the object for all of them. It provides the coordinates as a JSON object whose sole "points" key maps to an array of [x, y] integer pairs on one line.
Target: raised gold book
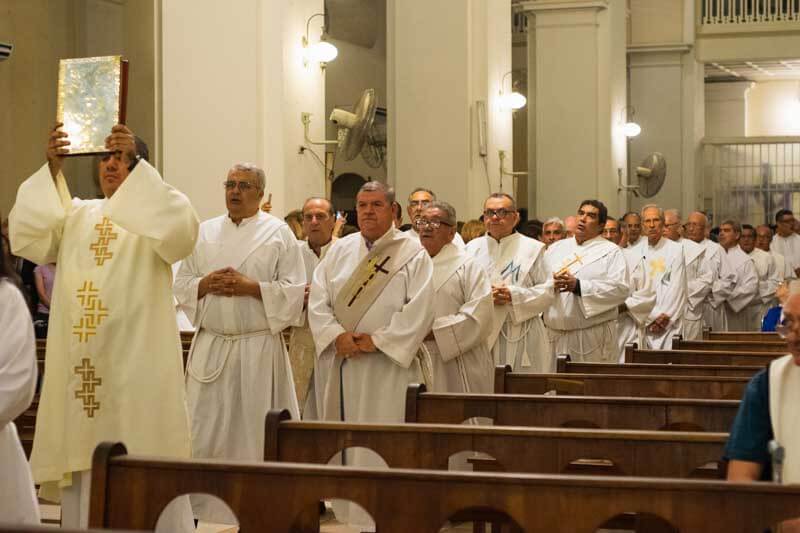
{"points": [[91, 100]]}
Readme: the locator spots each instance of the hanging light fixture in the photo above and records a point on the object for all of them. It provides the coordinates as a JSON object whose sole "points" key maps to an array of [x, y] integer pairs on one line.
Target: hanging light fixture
{"points": [[322, 51], [512, 100], [629, 127]]}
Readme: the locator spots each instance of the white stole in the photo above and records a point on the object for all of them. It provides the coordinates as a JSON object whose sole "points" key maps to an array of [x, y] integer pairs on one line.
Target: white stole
{"points": [[784, 410], [446, 263]]}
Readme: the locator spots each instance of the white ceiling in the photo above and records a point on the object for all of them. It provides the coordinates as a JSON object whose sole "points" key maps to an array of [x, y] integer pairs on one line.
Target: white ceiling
{"points": [[787, 69]]}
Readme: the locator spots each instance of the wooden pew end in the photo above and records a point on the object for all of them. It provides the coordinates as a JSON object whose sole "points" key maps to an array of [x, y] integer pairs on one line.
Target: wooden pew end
{"points": [[561, 363], [412, 397], [500, 372], [271, 424]]}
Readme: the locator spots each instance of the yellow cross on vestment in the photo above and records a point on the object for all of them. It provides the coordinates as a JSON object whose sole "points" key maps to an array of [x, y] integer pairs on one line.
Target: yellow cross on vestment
{"points": [[88, 383], [657, 266]]}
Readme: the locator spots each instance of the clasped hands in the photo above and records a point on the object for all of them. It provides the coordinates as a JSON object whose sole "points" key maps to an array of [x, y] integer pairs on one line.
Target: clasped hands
{"points": [[228, 282], [564, 281], [659, 325], [349, 344]]}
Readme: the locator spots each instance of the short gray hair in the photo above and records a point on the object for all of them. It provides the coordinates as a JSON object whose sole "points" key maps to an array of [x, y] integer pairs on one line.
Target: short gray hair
{"points": [[250, 168], [653, 206], [377, 186], [502, 195], [554, 220], [447, 209], [733, 223], [673, 211], [421, 189]]}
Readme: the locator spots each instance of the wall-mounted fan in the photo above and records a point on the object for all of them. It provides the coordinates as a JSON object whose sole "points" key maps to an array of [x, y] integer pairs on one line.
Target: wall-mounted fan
{"points": [[650, 176]]}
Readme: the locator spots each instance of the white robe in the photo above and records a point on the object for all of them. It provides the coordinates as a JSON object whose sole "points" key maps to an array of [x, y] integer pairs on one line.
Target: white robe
{"points": [[631, 324], [769, 277], [724, 279], [463, 310], [585, 326], [667, 270], [18, 504], [114, 361], [745, 290], [458, 241], [699, 280], [238, 368], [373, 385], [520, 339], [782, 266], [788, 247], [301, 343]]}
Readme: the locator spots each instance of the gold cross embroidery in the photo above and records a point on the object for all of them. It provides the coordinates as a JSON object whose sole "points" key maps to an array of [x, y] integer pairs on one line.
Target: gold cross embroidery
{"points": [[88, 383], [567, 263], [657, 266], [104, 238], [373, 267], [93, 312]]}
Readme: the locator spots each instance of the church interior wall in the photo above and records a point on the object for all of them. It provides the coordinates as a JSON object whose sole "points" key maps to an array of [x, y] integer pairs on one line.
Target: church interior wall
{"points": [[773, 108]]}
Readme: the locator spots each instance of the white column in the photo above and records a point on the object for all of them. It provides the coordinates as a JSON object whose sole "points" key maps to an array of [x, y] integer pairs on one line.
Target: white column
{"points": [[443, 56], [576, 79], [233, 87], [669, 104]]}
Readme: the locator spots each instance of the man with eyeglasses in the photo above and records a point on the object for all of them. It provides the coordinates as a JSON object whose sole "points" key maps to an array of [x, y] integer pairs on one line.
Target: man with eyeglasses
{"points": [[319, 220], [113, 335], [590, 281], [633, 221], [463, 308], [515, 266], [241, 287], [769, 413], [769, 278], [552, 231], [418, 201], [786, 242], [699, 277], [741, 264], [723, 277], [666, 269]]}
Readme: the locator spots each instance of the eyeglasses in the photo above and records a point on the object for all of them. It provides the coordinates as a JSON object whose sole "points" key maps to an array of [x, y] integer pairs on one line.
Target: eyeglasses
{"points": [[244, 186], [673, 224], [499, 213], [422, 223], [419, 203]]}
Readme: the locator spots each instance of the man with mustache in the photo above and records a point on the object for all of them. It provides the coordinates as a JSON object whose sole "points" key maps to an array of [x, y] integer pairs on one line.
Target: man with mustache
{"points": [[112, 332], [590, 280]]}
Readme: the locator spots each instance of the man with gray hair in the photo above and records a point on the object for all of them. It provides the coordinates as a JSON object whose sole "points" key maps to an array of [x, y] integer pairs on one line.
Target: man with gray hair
{"points": [[552, 231], [371, 306], [419, 199], [463, 308], [241, 287], [666, 270], [699, 277]]}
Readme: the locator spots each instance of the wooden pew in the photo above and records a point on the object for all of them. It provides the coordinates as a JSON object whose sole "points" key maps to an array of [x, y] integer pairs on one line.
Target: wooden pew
{"points": [[695, 357], [49, 529], [131, 492], [565, 366], [731, 345], [749, 336], [515, 449], [653, 386], [601, 412]]}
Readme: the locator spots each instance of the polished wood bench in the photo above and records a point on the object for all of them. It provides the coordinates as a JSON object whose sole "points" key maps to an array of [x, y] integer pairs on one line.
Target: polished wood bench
{"points": [[514, 449], [565, 366], [602, 412], [698, 357], [753, 336], [131, 491], [778, 346], [711, 387], [51, 529]]}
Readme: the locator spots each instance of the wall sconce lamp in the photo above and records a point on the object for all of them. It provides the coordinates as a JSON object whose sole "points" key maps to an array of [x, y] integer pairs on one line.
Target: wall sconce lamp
{"points": [[512, 100], [321, 52], [629, 127]]}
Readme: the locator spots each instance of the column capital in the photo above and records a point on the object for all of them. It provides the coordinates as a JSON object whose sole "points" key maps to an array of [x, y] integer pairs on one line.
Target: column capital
{"points": [[532, 6]]}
